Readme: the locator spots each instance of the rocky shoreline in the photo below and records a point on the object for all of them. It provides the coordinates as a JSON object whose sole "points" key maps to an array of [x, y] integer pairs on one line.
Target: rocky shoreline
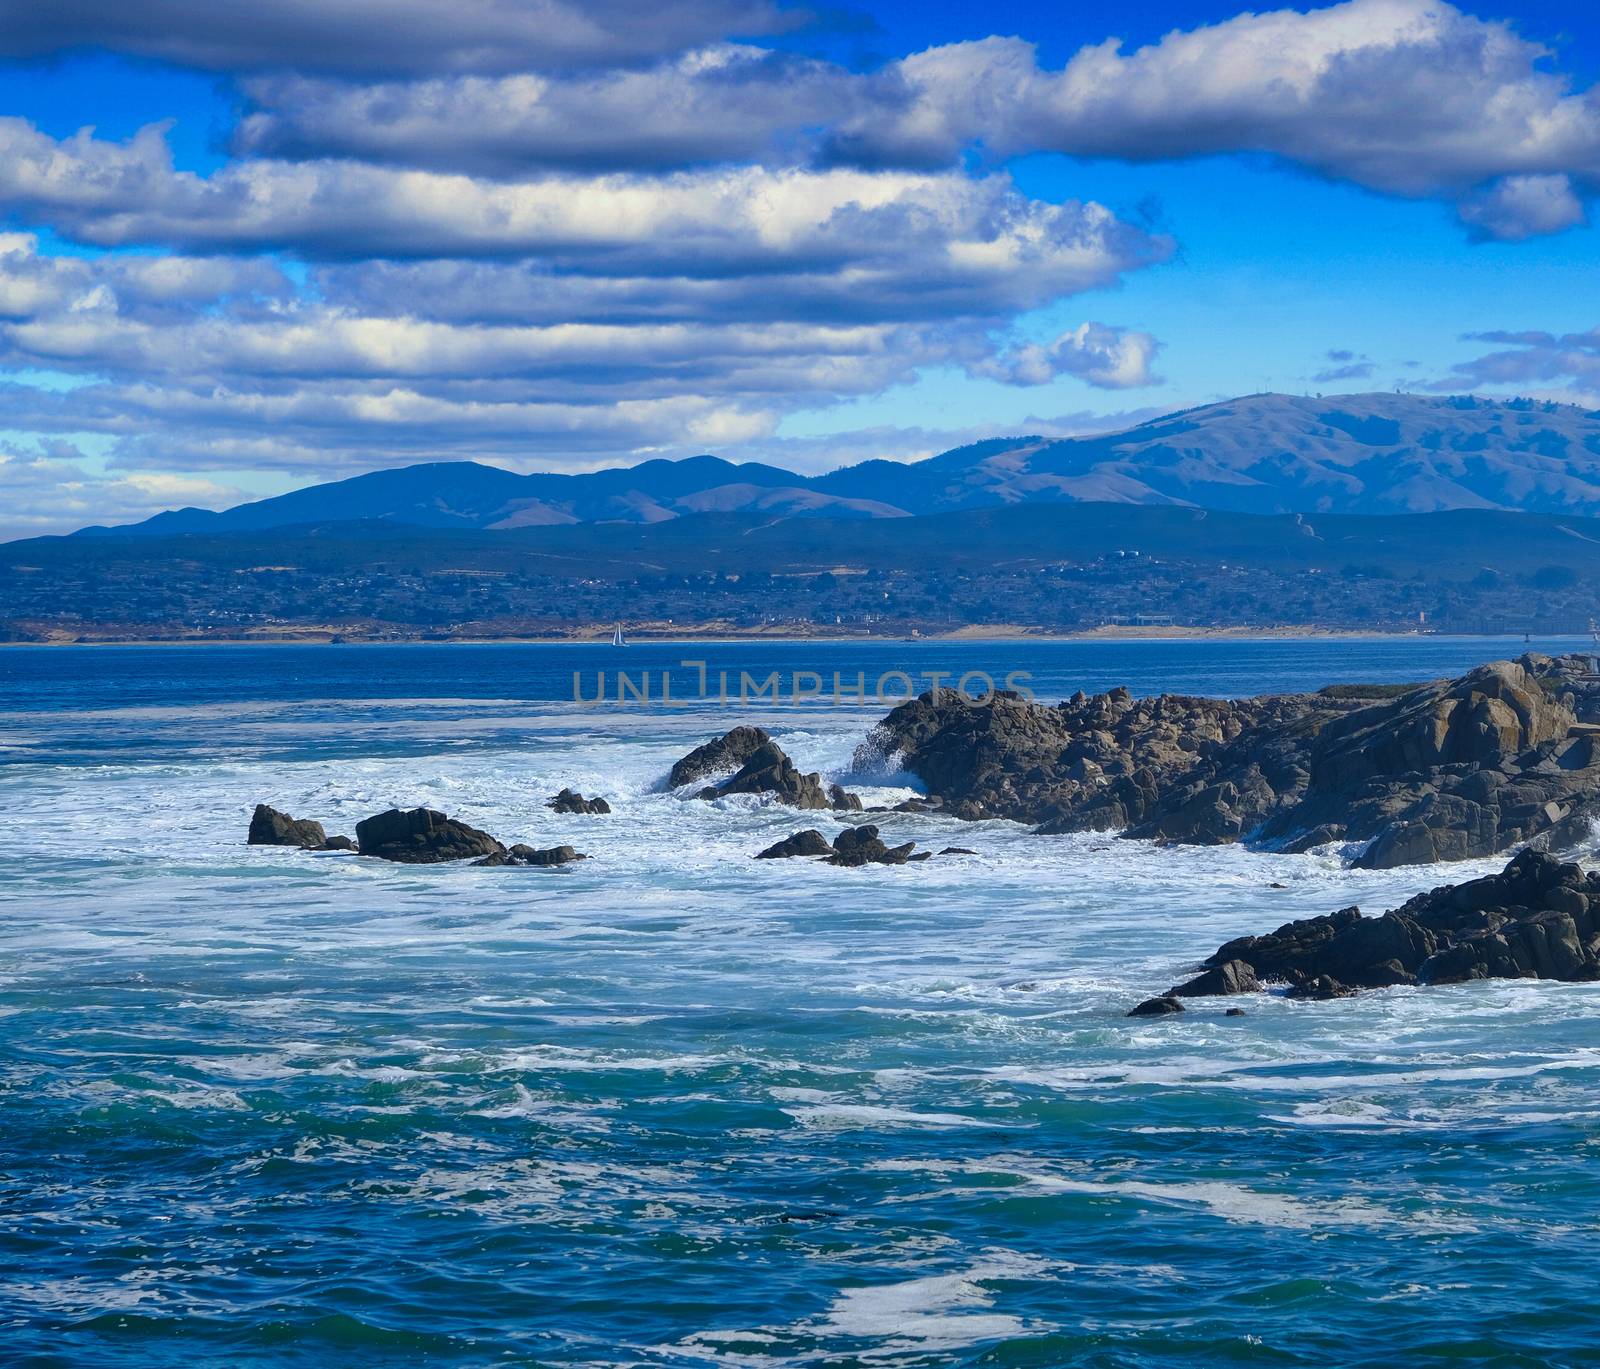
{"points": [[1450, 770]]}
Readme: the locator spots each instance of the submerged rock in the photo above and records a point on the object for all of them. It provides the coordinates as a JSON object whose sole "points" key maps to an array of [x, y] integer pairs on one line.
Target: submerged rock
{"points": [[807, 843], [571, 801], [1156, 1007], [721, 756], [1452, 770], [421, 836], [526, 855], [269, 827], [1539, 918]]}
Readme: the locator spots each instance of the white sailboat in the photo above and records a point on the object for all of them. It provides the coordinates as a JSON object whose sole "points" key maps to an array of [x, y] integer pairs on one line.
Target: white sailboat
{"points": [[617, 639]]}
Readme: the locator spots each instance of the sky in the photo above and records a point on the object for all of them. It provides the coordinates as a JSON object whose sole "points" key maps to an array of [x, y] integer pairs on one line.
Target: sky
{"points": [[249, 248]]}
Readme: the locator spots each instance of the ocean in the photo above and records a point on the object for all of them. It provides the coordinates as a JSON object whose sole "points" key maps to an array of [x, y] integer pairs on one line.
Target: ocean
{"points": [[673, 1106]]}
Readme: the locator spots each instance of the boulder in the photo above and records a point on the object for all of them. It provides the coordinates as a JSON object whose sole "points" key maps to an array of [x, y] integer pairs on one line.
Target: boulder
{"points": [[807, 843], [721, 756], [863, 846], [570, 801], [1157, 1007], [770, 771], [269, 827], [421, 836], [1230, 977], [336, 844], [526, 855], [841, 800]]}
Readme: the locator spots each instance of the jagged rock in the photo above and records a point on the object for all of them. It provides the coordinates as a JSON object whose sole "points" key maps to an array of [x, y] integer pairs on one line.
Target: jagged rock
{"points": [[721, 756], [1156, 1007], [1453, 770], [526, 855], [841, 800], [269, 827], [1537, 919], [807, 843], [770, 771], [863, 846], [1230, 977], [421, 836], [571, 801]]}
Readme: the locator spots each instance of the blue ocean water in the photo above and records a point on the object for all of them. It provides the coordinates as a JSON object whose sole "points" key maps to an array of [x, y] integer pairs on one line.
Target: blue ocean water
{"points": [[677, 1107]]}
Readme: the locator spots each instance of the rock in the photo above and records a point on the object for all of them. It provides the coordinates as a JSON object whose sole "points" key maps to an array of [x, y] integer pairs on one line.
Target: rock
{"points": [[1156, 1007], [957, 851], [770, 771], [1234, 1012], [841, 800], [570, 801], [807, 843], [722, 756], [336, 844], [421, 836], [526, 855], [1453, 770], [1539, 918], [863, 846], [1232, 976], [269, 827]]}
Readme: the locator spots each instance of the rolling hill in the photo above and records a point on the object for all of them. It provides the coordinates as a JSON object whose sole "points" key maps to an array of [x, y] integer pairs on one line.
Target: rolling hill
{"points": [[1262, 454]]}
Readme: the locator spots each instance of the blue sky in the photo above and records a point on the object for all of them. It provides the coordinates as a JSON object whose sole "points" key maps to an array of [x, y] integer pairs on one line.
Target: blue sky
{"points": [[246, 250]]}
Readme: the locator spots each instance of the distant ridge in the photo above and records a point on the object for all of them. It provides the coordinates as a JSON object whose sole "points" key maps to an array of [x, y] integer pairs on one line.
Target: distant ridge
{"points": [[1263, 454]]}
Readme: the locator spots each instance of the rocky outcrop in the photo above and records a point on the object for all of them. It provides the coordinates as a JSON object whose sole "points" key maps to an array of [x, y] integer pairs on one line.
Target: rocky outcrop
{"points": [[863, 846], [721, 756], [571, 801], [1539, 918], [807, 843], [336, 844], [269, 827], [1452, 770], [421, 836], [526, 855]]}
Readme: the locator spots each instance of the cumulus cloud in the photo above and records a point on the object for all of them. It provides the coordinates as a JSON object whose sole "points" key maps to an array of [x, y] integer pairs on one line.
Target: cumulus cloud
{"points": [[413, 37], [1106, 357], [1515, 208]]}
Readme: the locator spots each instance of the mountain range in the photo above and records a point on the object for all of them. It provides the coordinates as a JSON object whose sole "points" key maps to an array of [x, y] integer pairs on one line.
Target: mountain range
{"points": [[1260, 454]]}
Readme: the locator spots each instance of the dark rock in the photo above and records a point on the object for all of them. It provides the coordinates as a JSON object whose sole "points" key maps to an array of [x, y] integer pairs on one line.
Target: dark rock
{"points": [[841, 800], [571, 801], [807, 843], [421, 836], [770, 771], [1234, 1012], [1537, 919], [957, 851], [336, 844], [526, 855], [269, 827], [722, 756], [1156, 1007], [863, 846], [1232, 976]]}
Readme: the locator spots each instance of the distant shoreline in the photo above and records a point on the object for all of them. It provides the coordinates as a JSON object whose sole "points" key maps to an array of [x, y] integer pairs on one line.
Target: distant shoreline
{"points": [[998, 632]]}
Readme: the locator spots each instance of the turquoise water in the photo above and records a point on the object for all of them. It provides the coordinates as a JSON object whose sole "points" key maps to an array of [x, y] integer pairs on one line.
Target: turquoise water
{"points": [[677, 1107]]}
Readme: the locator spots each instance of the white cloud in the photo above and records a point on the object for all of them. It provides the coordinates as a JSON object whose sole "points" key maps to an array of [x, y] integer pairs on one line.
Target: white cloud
{"points": [[1515, 208], [1106, 357]]}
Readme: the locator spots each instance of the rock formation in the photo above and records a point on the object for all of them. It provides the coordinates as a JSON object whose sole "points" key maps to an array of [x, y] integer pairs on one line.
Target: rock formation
{"points": [[421, 836], [1537, 919], [807, 843], [722, 756], [571, 801], [269, 827], [767, 769], [863, 846], [1451, 770], [526, 855]]}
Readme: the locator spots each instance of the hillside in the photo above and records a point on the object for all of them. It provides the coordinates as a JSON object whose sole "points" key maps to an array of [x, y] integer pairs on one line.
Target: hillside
{"points": [[1263, 454]]}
